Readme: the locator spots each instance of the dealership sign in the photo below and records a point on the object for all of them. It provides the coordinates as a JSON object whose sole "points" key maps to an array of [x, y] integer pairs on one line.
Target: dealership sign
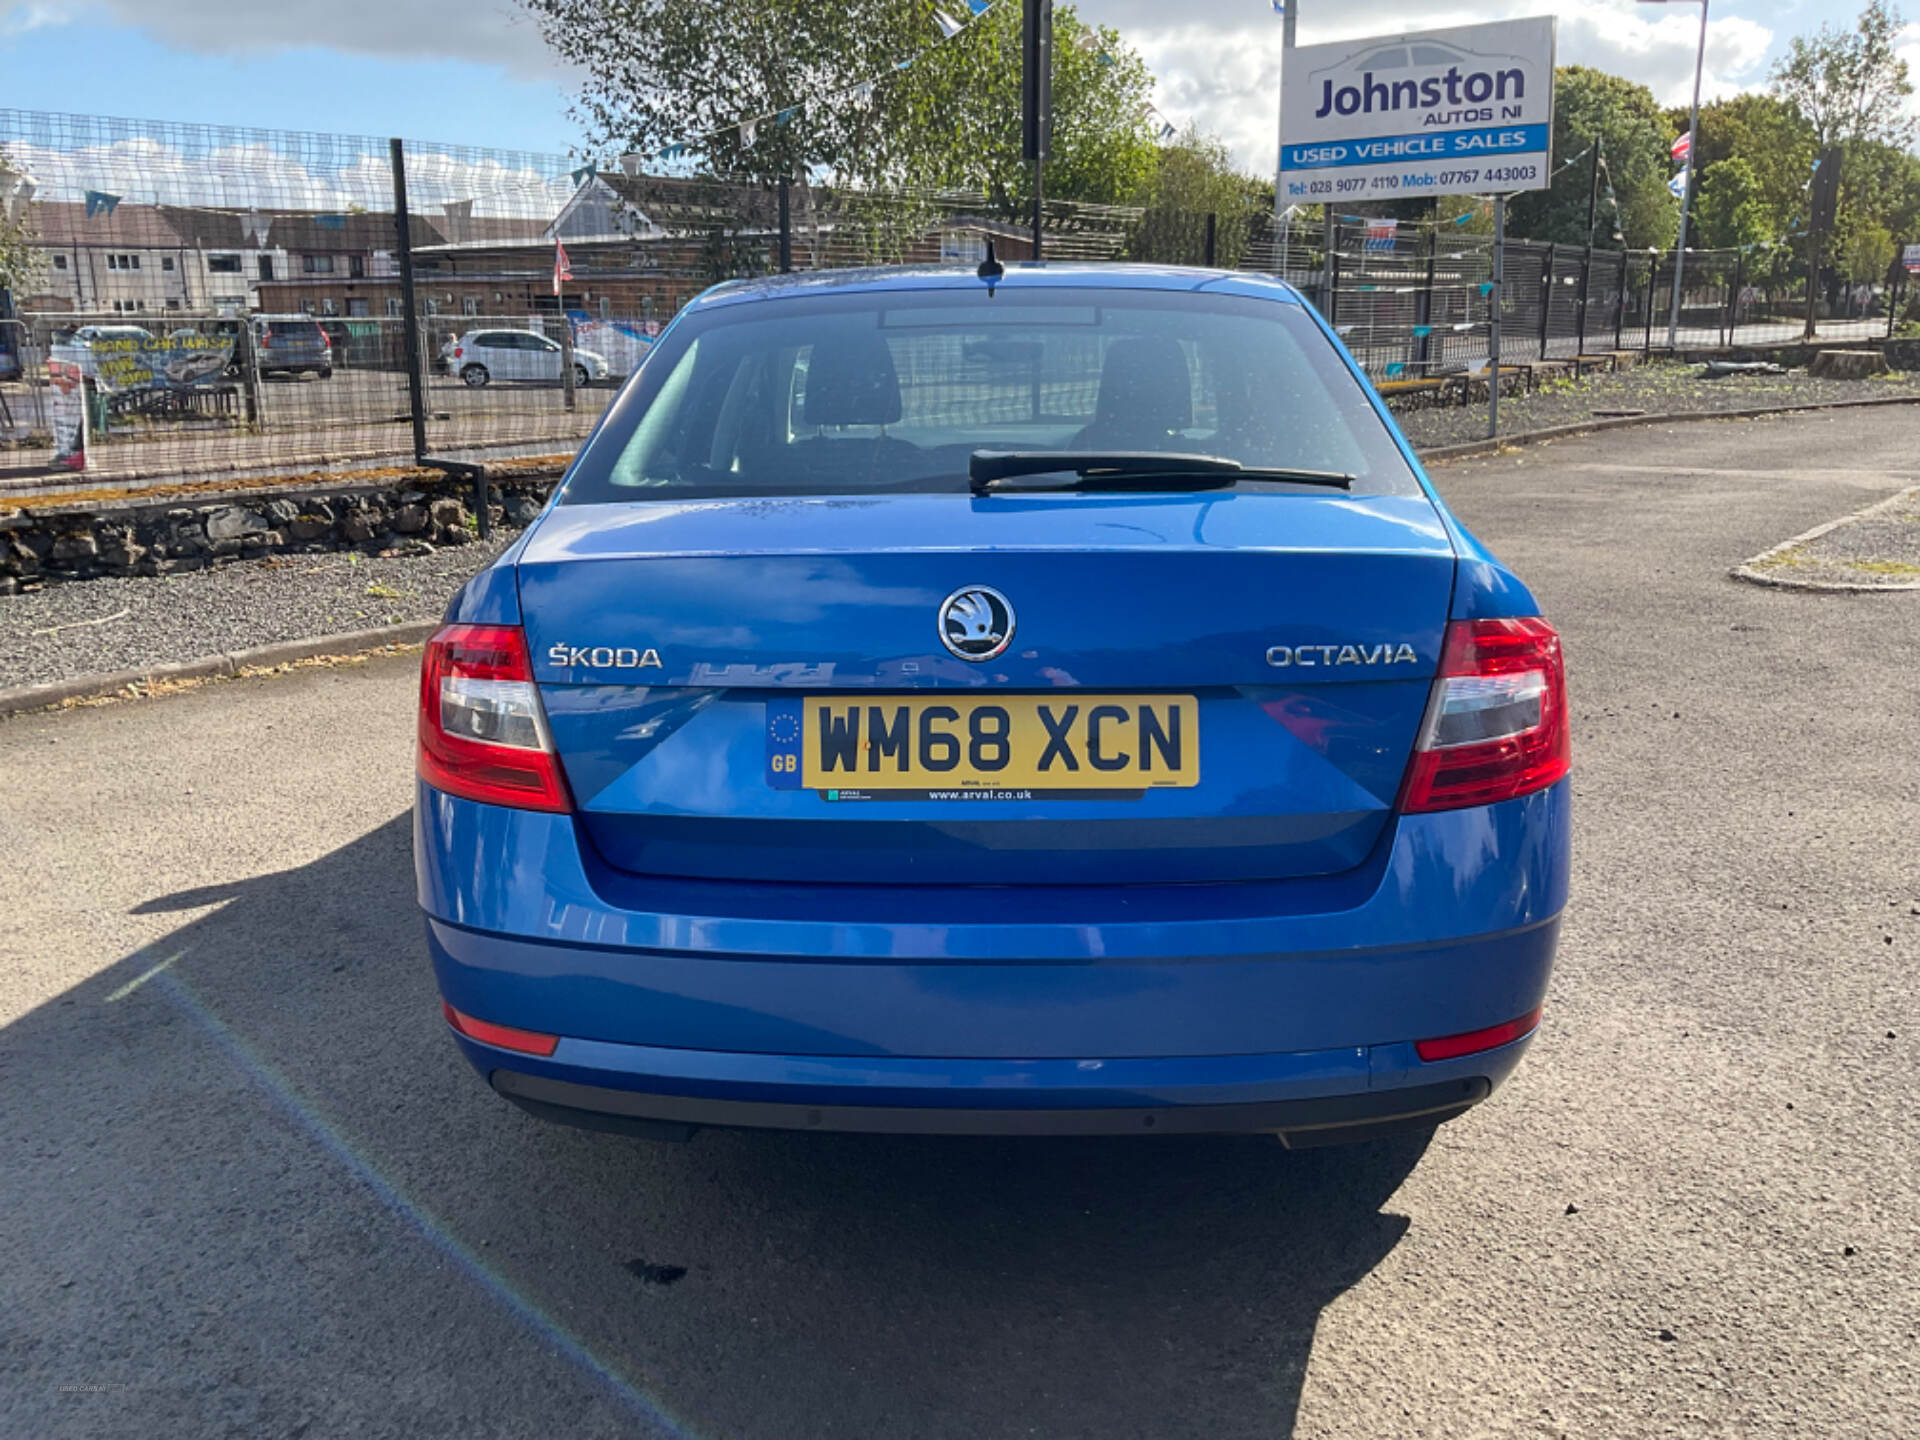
{"points": [[1442, 112]]}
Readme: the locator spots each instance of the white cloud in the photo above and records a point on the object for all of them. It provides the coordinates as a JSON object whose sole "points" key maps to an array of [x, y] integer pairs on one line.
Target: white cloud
{"points": [[1222, 69], [19, 19]]}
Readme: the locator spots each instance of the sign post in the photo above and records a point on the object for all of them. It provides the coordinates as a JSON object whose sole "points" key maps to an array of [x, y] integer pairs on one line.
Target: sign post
{"points": [[1036, 98]]}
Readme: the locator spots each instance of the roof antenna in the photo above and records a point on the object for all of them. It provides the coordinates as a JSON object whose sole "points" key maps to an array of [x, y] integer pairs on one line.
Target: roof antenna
{"points": [[990, 268]]}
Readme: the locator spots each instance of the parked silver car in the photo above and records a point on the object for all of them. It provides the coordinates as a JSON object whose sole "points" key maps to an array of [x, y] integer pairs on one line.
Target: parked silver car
{"points": [[292, 345]]}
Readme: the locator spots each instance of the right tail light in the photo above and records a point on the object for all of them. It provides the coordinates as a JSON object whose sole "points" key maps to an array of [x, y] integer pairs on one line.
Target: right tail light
{"points": [[1497, 724]]}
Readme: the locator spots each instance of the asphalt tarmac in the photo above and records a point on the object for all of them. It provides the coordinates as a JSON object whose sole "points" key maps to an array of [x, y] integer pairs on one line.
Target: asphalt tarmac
{"points": [[249, 1188]]}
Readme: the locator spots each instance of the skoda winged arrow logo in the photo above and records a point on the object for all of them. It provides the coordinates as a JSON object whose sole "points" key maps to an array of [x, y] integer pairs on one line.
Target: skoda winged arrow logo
{"points": [[976, 623]]}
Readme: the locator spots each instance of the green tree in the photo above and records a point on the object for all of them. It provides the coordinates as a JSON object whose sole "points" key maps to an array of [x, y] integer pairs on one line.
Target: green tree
{"points": [[959, 120], [1588, 106], [21, 259], [688, 72], [1851, 85], [1193, 177]]}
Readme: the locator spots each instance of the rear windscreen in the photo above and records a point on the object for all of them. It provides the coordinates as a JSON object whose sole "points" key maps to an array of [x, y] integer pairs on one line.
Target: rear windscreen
{"points": [[894, 390], [293, 330]]}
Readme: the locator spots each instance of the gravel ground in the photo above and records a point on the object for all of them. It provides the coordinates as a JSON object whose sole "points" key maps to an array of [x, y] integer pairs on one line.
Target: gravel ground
{"points": [[1880, 547], [46, 635], [1657, 389]]}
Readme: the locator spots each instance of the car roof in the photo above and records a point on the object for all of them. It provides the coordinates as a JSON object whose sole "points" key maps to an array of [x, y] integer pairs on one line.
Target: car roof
{"points": [[1021, 275]]}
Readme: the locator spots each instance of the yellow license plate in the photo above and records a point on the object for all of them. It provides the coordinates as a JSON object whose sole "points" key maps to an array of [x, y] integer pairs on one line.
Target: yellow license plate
{"points": [[1010, 747]]}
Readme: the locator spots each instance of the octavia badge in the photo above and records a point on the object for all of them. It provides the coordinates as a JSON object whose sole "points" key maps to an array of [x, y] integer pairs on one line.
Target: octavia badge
{"points": [[976, 623]]}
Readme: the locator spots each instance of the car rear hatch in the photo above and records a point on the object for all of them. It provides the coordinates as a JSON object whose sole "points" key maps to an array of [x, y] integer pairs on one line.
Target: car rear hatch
{"points": [[1196, 687]]}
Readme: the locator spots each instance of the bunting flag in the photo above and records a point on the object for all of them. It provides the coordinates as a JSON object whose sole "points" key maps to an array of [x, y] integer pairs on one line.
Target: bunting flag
{"points": [[979, 7], [1420, 332], [1682, 148], [1280, 7], [949, 27], [580, 176], [1395, 368], [561, 269], [1486, 288], [1167, 132], [748, 129], [99, 200], [785, 117]]}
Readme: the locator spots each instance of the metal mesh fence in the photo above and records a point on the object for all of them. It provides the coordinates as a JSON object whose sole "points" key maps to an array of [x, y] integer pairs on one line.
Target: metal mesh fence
{"points": [[225, 302]]}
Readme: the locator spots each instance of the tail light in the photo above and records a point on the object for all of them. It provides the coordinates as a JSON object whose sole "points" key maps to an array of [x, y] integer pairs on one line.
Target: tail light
{"points": [[1497, 724], [483, 735]]}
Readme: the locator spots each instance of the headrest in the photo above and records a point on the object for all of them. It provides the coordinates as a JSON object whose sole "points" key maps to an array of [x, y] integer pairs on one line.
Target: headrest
{"points": [[1144, 382], [851, 381]]}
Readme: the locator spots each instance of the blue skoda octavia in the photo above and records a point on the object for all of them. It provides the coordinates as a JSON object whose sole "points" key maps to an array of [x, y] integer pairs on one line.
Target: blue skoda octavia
{"points": [[1048, 700]]}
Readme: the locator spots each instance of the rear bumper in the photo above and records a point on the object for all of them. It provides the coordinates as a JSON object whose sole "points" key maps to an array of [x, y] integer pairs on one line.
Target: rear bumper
{"points": [[1325, 1120], [1291, 1007]]}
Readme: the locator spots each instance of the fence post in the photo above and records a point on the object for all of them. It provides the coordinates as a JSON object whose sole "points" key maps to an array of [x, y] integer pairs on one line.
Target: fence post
{"points": [[1733, 298], [1333, 286], [1547, 277], [1586, 282], [403, 235], [1213, 225], [1423, 307], [1494, 297], [1329, 268], [1897, 290], [1620, 302], [1653, 272], [786, 225]]}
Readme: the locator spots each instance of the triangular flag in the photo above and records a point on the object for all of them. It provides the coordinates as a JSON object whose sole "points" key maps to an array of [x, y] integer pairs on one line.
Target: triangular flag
{"points": [[1420, 332], [1085, 40], [1279, 7], [1463, 217], [581, 176], [1486, 288], [99, 200], [1394, 367], [1167, 131], [949, 27], [864, 90], [786, 115], [748, 129], [979, 7]]}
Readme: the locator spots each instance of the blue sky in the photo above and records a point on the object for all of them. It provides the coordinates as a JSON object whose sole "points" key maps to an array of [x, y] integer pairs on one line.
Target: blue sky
{"points": [[476, 72]]}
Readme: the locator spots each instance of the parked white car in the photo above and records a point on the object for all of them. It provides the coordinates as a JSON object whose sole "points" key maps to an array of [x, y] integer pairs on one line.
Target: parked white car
{"points": [[480, 357]]}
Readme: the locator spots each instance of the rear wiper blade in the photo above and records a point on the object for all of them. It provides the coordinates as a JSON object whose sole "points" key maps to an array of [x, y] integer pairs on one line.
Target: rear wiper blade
{"points": [[1127, 470]]}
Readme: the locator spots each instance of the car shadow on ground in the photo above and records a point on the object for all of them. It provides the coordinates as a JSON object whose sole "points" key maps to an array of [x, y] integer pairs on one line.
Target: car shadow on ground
{"points": [[264, 1106]]}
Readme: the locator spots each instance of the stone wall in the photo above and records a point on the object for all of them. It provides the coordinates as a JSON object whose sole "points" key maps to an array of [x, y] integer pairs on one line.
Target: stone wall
{"points": [[48, 544]]}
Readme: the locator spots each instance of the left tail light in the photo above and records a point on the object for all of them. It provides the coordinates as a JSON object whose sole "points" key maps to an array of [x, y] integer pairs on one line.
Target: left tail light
{"points": [[1497, 725], [483, 733]]}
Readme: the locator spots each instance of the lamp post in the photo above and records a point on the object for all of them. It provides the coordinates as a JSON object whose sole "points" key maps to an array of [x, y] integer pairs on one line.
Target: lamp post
{"points": [[1686, 198]]}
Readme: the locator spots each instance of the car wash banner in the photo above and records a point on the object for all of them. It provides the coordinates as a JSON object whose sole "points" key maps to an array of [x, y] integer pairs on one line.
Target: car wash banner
{"points": [[1442, 112]]}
